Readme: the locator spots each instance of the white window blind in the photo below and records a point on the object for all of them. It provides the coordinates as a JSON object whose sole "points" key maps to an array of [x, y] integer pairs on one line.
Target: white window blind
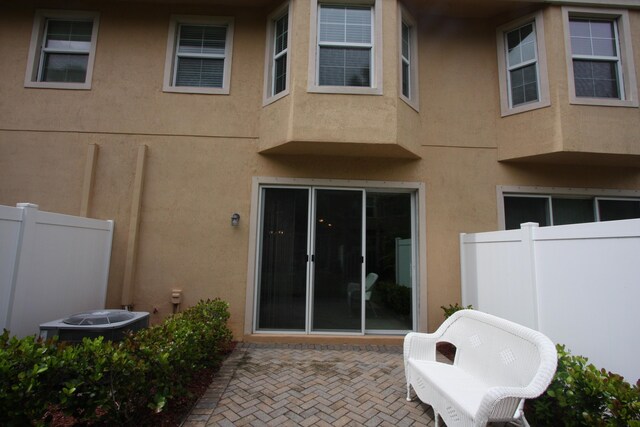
{"points": [[345, 47], [200, 56]]}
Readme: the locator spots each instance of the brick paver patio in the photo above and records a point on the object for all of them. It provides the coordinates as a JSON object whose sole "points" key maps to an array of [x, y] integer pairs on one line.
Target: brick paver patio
{"points": [[310, 385]]}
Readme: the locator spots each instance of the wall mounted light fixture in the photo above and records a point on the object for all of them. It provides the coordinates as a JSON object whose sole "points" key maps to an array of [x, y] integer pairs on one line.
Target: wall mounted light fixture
{"points": [[235, 219]]}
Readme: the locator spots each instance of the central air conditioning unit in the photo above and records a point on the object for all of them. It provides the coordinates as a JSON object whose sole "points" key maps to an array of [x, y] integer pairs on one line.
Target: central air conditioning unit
{"points": [[110, 324]]}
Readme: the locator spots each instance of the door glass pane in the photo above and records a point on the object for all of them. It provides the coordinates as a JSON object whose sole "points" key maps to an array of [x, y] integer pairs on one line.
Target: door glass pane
{"points": [[337, 261], [283, 264], [572, 211], [518, 210], [611, 210], [388, 282]]}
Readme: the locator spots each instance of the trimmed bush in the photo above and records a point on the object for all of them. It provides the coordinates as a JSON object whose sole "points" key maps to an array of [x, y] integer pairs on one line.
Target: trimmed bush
{"points": [[100, 382], [582, 395]]}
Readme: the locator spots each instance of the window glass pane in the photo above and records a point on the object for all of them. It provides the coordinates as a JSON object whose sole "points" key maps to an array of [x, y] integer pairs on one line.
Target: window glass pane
{"points": [[518, 210], [604, 47], [521, 45], [345, 24], [202, 39], [405, 40], [579, 27], [611, 210], [602, 29], [405, 79], [280, 74], [524, 85], [69, 68], [199, 72], [281, 33], [572, 211], [344, 66], [69, 35], [597, 79], [581, 46]]}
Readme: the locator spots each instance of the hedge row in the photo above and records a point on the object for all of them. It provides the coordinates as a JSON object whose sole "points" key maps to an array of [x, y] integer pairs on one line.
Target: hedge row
{"points": [[100, 382], [583, 395]]}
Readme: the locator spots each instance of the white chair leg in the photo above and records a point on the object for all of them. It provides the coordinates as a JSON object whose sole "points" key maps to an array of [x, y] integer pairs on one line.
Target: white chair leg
{"points": [[437, 418], [409, 399]]}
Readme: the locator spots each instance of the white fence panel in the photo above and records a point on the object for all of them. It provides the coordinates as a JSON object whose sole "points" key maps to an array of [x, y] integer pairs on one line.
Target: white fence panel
{"points": [[490, 284], [10, 226], [62, 267], [581, 287]]}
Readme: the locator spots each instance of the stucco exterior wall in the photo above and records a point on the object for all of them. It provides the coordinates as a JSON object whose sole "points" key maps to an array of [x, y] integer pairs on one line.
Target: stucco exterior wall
{"points": [[204, 150]]}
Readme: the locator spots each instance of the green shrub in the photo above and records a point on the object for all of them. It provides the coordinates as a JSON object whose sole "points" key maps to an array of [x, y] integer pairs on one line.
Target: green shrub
{"points": [[100, 382], [448, 311], [582, 395]]}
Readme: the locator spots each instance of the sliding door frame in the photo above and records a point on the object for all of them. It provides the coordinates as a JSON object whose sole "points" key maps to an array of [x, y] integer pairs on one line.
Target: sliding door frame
{"points": [[418, 267]]}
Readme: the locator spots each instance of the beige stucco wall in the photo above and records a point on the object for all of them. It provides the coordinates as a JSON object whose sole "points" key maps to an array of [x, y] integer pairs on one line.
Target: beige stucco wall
{"points": [[203, 150]]}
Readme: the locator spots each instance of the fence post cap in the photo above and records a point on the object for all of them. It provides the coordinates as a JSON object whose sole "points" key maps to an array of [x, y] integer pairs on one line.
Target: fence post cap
{"points": [[27, 205]]}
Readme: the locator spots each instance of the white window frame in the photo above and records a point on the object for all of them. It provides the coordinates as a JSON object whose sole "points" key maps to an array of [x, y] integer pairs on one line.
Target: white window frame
{"points": [[270, 56], [172, 41], [376, 50], [34, 60], [626, 67], [404, 18], [544, 100], [549, 192]]}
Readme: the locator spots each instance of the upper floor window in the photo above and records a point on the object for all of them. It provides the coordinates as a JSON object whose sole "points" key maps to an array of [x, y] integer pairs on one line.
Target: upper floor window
{"points": [[600, 59], [277, 66], [199, 55], [344, 56], [408, 58], [522, 62], [62, 50]]}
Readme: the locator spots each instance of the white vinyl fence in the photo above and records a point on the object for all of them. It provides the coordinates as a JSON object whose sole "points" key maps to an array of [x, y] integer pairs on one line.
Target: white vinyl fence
{"points": [[578, 284], [51, 265]]}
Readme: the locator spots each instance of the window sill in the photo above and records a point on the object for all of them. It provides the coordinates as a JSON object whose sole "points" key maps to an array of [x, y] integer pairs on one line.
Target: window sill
{"points": [[275, 97], [411, 103], [604, 102], [524, 108], [345, 90], [58, 85], [196, 90]]}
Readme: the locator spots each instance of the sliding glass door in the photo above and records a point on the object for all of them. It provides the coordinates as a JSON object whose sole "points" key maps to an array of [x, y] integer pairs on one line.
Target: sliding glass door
{"points": [[338, 260], [335, 260]]}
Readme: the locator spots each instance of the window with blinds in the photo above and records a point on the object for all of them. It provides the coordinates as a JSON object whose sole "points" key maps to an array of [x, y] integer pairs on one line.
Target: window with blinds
{"points": [[199, 55], [65, 51], [62, 49], [345, 45]]}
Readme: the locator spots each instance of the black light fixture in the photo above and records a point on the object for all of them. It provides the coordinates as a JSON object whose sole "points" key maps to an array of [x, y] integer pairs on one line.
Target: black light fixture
{"points": [[235, 219]]}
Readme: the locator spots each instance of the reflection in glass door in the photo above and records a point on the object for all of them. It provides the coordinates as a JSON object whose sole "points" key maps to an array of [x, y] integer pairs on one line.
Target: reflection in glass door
{"points": [[338, 261]]}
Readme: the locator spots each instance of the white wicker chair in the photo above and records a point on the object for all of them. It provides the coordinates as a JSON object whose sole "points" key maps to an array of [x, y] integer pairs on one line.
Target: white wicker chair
{"points": [[497, 365]]}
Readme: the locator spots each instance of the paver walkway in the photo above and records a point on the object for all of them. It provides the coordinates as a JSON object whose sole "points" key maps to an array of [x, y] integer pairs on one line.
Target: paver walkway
{"points": [[310, 385]]}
